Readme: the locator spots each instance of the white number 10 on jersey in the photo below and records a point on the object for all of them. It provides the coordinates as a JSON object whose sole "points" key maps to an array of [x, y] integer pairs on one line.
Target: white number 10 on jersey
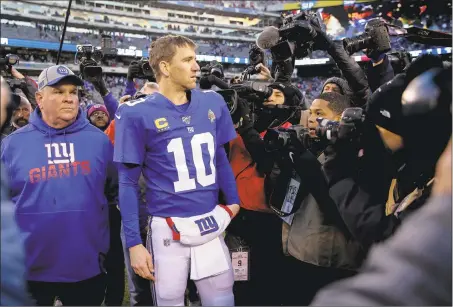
{"points": [[185, 183]]}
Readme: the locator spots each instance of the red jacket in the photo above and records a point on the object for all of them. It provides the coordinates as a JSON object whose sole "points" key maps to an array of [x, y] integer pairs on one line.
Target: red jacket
{"points": [[250, 183]]}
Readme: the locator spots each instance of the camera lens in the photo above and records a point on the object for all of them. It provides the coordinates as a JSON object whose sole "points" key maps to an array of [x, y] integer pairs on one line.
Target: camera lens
{"points": [[13, 59], [360, 42]]}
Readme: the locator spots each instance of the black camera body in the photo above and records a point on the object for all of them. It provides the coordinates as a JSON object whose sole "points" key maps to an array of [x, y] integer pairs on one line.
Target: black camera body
{"points": [[399, 60], [254, 92], [256, 56], [214, 68], [145, 71], [17, 84], [285, 138], [89, 58], [297, 36], [376, 38], [350, 126], [7, 63]]}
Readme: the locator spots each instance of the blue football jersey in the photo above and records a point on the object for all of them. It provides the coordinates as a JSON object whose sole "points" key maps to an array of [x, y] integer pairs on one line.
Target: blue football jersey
{"points": [[177, 149]]}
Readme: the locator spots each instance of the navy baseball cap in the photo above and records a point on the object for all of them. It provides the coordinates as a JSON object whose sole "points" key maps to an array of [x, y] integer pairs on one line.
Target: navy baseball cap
{"points": [[56, 73]]}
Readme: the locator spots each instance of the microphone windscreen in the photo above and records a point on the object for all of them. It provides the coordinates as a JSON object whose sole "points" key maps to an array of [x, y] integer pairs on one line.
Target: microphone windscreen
{"points": [[268, 38]]}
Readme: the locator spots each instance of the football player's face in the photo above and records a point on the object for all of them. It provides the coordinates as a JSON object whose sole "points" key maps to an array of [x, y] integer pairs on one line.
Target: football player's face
{"points": [[184, 67]]}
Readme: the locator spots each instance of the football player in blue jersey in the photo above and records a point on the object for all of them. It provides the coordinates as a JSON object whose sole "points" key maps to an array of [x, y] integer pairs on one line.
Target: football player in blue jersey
{"points": [[175, 138]]}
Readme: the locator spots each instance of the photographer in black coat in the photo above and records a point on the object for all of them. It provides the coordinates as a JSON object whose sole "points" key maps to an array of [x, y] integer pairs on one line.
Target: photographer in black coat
{"points": [[256, 224], [359, 176]]}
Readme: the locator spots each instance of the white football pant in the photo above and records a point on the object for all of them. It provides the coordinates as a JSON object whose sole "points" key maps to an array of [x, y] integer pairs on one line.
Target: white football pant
{"points": [[171, 268]]}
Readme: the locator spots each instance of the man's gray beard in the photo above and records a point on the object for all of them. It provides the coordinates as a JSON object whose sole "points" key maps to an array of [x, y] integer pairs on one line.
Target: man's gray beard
{"points": [[15, 125]]}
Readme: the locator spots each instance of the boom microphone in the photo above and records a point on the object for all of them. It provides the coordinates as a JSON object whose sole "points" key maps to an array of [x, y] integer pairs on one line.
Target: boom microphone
{"points": [[268, 38]]}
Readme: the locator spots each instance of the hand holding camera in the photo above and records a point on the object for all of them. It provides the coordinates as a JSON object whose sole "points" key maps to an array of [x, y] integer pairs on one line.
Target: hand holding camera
{"points": [[92, 72], [133, 71], [140, 69], [16, 74], [263, 71]]}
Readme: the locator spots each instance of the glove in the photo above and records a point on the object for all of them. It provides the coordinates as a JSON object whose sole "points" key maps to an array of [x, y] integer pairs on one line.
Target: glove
{"points": [[243, 111], [133, 71], [374, 55], [100, 86]]}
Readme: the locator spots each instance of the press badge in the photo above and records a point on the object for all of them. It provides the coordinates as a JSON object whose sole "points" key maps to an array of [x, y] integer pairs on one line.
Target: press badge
{"points": [[240, 261], [288, 202]]}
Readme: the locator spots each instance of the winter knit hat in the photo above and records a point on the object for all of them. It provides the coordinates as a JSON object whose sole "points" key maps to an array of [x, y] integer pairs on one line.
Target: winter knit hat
{"points": [[98, 107], [342, 84], [293, 96]]}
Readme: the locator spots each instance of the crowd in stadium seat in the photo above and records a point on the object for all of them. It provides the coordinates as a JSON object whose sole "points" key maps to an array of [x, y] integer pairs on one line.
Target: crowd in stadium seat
{"points": [[52, 33]]}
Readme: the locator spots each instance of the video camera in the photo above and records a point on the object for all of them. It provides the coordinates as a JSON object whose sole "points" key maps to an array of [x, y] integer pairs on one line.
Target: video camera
{"points": [[256, 56], [278, 139], [6, 65], [90, 57], [215, 69], [145, 71], [297, 35]]}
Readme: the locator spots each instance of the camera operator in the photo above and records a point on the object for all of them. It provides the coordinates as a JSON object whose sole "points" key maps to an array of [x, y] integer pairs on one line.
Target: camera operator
{"points": [[417, 257], [30, 87], [375, 42], [19, 117], [359, 172], [16, 80], [359, 90], [320, 247], [256, 224]]}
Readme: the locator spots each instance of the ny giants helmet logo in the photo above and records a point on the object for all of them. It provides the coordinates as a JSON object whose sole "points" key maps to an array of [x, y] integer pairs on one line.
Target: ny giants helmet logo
{"points": [[62, 70]]}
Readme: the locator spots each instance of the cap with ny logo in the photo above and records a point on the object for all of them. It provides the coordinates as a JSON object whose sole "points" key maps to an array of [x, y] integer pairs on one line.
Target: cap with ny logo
{"points": [[55, 74]]}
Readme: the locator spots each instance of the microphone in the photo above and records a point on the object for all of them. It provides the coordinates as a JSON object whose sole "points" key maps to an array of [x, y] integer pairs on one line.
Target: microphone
{"points": [[268, 38]]}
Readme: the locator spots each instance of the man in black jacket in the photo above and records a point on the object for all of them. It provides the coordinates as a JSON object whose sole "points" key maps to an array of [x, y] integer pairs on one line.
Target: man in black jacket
{"points": [[359, 186], [414, 266], [259, 227]]}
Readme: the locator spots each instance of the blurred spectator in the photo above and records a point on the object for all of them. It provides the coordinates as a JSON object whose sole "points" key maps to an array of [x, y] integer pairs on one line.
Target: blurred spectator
{"points": [[13, 287]]}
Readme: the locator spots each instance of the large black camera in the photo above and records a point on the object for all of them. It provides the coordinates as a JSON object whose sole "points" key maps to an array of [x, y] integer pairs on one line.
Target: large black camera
{"points": [[145, 71], [7, 63], [253, 93], [215, 69], [90, 57], [399, 60], [350, 125], [375, 38], [284, 138], [256, 92], [297, 36], [256, 56]]}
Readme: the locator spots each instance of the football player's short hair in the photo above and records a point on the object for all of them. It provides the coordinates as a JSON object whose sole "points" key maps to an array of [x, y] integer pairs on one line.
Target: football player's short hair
{"points": [[337, 102], [164, 49]]}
